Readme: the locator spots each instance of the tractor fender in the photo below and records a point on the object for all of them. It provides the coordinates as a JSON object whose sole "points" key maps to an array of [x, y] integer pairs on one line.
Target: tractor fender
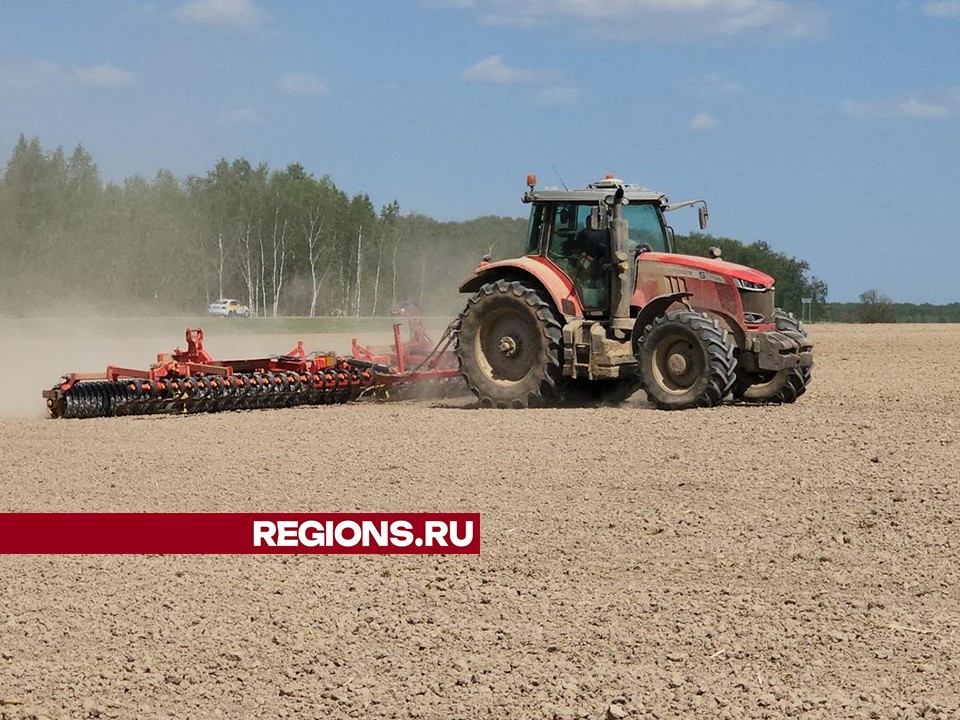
{"points": [[650, 312], [659, 305], [539, 271], [731, 324]]}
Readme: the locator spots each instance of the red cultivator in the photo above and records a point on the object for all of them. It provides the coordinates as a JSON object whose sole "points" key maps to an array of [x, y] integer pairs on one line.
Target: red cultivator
{"points": [[192, 381]]}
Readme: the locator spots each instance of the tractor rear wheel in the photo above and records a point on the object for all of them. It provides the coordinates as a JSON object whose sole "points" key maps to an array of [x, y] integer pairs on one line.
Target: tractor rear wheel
{"points": [[781, 386], [509, 346], [686, 360]]}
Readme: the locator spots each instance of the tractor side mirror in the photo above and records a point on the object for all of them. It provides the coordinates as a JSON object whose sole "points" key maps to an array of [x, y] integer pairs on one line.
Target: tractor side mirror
{"points": [[704, 216]]}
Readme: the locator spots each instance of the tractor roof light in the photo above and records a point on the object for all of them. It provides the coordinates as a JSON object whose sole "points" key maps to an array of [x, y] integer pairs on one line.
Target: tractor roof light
{"points": [[531, 181], [609, 182]]}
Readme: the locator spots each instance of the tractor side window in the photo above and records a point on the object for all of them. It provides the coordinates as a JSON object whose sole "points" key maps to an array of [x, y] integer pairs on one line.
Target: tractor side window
{"points": [[645, 227], [534, 229], [573, 248], [568, 220]]}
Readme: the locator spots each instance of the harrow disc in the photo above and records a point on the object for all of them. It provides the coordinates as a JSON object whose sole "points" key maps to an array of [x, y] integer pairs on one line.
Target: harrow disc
{"points": [[206, 393]]}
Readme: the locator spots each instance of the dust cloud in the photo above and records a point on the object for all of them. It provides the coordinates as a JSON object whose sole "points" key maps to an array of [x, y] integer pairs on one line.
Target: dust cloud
{"points": [[36, 353]]}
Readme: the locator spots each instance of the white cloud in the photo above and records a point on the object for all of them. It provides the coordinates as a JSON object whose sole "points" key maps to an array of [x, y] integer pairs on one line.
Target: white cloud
{"points": [[660, 20], [557, 95], [28, 75], [493, 70], [239, 14], [105, 76], [714, 85], [934, 105], [302, 85], [916, 109], [702, 121], [941, 8], [245, 116]]}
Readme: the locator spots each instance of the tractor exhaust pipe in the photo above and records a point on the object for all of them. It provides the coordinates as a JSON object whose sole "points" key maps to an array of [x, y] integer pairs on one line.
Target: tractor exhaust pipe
{"points": [[621, 267]]}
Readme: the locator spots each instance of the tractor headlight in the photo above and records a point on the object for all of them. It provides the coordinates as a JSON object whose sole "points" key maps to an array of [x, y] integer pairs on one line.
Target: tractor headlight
{"points": [[747, 285]]}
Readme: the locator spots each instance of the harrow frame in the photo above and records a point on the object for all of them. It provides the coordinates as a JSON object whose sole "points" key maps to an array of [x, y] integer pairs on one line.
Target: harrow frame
{"points": [[191, 380]]}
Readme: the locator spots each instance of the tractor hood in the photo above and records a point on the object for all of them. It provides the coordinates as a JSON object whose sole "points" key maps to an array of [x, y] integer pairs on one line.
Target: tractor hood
{"points": [[718, 267]]}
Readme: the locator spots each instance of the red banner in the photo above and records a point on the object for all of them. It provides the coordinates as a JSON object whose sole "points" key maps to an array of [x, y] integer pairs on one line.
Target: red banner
{"points": [[240, 533]]}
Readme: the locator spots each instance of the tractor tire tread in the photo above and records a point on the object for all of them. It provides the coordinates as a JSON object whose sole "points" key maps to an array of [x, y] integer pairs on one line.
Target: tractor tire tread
{"points": [[797, 379], [721, 360], [547, 390]]}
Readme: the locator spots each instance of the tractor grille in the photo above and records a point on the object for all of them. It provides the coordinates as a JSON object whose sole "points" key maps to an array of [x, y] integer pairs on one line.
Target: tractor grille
{"points": [[757, 305], [677, 284]]}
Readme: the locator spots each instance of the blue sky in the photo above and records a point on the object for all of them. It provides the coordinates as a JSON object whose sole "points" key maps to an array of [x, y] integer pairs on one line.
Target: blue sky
{"points": [[831, 130]]}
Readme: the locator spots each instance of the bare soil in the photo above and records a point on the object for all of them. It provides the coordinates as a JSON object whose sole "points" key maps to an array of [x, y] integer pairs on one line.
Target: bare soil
{"points": [[735, 562]]}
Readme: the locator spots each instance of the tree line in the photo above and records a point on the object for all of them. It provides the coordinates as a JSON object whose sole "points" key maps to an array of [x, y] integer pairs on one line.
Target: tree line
{"points": [[282, 241], [875, 307]]}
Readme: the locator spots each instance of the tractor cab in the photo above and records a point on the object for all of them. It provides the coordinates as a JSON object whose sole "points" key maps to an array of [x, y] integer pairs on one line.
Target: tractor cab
{"points": [[573, 231]]}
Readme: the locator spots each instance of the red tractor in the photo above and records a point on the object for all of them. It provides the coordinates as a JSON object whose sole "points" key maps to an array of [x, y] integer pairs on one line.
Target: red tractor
{"points": [[601, 303]]}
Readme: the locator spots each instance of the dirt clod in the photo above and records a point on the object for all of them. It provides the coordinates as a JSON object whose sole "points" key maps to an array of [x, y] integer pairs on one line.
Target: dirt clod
{"points": [[616, 712]]}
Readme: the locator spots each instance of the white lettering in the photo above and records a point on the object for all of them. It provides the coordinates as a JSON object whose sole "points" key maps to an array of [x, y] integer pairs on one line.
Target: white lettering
{"points": [[354, 528], [310, 534], [287, 533], [402, 532], [263, 532], [467, 533], [370, 530], [435, 530]]}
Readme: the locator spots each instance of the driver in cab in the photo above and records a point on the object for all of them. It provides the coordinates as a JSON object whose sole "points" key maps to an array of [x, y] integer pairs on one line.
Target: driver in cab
{"points": [[593, 245]]}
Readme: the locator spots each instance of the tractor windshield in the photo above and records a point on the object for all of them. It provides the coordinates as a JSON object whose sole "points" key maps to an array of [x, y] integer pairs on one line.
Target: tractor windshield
{"points": [[568, 220], [646, 227]]}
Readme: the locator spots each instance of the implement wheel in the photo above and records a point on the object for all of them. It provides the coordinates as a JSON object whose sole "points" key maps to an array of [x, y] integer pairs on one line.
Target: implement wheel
{"points": [[781, 386], [509, 345], [686, 360]]}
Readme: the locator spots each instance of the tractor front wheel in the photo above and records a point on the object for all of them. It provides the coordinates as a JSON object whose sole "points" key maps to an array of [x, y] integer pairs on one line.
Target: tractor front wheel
{"points": [[780, 386], [509, 346], [686, 360]]}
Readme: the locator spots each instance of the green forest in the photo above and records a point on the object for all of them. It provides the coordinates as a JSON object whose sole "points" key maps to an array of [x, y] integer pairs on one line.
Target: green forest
{"points": [[895, 312], [282, 241]]}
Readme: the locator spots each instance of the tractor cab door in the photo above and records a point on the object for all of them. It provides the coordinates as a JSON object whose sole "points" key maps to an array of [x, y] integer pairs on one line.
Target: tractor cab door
{"points": [[581, 251]]}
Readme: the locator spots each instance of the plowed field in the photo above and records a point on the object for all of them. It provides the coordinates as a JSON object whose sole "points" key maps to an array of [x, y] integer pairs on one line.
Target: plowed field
{"points": [[734, 562]]}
